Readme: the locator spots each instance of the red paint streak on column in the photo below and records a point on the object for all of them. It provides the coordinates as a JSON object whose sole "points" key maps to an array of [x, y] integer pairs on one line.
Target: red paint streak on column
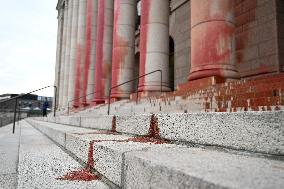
{"points": [[212, 42], [115, 54], [88, 48], [77, 78], [99, 81], [145, 13], [214, 33], [119, 52]]}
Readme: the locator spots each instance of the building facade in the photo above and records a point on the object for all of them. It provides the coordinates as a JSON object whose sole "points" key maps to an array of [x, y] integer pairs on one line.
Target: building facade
{"points": [[103, 43]]}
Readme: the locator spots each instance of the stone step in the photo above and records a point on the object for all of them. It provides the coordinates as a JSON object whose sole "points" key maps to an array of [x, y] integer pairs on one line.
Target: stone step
{"points": [[260, 132], [145, 162]]}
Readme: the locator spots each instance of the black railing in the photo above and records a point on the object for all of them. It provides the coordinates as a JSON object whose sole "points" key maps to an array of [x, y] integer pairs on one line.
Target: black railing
{"points": [[19, 96], [137, 91], [68, 104]]}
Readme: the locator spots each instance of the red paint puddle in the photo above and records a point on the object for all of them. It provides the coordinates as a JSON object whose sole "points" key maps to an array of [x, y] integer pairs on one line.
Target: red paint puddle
{"points": [[80, 175]]}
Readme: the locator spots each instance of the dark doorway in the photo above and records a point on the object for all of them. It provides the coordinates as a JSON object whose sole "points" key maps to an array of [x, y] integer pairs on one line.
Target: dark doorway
{"points": [[172, 64], [136, 70]]}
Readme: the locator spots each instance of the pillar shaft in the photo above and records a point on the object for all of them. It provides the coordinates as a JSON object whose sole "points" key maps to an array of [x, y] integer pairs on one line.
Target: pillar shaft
{"points": [[80, 53], [89, 68], [67, 54], [213, 50], [58, 52], [73, 50], [154, 44], [103, 50], [62, 67], [123, 46]]}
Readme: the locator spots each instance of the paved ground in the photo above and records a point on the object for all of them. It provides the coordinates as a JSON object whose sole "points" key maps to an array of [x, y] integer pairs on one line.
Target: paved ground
{"points": [[30, 160]]}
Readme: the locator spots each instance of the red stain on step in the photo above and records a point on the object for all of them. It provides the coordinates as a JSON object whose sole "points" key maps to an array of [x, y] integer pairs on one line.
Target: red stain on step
{"points": [[106, 132], [113, 128], [80, 175], [154, 131], [84, 174], [147, 139]]}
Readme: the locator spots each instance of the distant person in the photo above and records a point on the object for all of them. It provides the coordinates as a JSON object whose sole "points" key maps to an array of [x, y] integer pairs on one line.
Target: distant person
{"points": [[44, 108]]}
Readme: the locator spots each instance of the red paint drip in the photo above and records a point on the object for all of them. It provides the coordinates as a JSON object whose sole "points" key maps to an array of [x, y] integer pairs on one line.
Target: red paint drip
{"points": [[113, 128], [154, 130]]}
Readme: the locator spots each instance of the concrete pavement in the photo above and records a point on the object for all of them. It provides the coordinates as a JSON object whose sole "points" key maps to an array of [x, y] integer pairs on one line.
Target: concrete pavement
{"points": [[31, 160]]}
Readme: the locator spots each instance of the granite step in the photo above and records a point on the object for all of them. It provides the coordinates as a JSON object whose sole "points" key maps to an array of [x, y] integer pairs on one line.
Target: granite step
{"points": [[259, 132], [131, 161]]}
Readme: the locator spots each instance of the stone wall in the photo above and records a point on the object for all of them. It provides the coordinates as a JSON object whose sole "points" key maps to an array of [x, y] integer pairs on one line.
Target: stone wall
{"points": [[180, 32], [256, 37], [280, 21]]}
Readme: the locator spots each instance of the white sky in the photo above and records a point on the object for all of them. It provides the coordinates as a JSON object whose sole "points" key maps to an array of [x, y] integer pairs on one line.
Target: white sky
{"points": [[28, 30]]}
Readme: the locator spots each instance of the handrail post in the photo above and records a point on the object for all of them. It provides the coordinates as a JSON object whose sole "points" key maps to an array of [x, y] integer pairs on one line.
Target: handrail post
{"points": [[68, 108], [55, 100], [161, 82], [137, 92], [108, 108], [15, 114]]}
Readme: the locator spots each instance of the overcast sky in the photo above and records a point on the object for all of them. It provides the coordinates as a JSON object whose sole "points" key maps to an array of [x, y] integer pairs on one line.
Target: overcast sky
{"points": [[28, 31]]}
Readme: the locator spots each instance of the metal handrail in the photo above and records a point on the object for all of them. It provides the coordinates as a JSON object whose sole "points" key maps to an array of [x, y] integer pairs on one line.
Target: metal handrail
{"points": [[68, 103], [19, 96], [132, 80]]}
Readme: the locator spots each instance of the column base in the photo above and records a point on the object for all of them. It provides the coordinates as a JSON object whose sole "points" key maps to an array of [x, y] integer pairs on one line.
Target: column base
{"points": [[98, 101], [201, 83], [221, 73], [153, 88]]}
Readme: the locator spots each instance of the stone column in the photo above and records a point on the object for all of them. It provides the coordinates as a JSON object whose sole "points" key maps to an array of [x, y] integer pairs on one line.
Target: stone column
{"points": [[154, 44], [73, 50], [213, 51], [58, 51], [67, 54], [123, 47], [80, 57], [103, 50], [62, 68], [89, 68]]}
